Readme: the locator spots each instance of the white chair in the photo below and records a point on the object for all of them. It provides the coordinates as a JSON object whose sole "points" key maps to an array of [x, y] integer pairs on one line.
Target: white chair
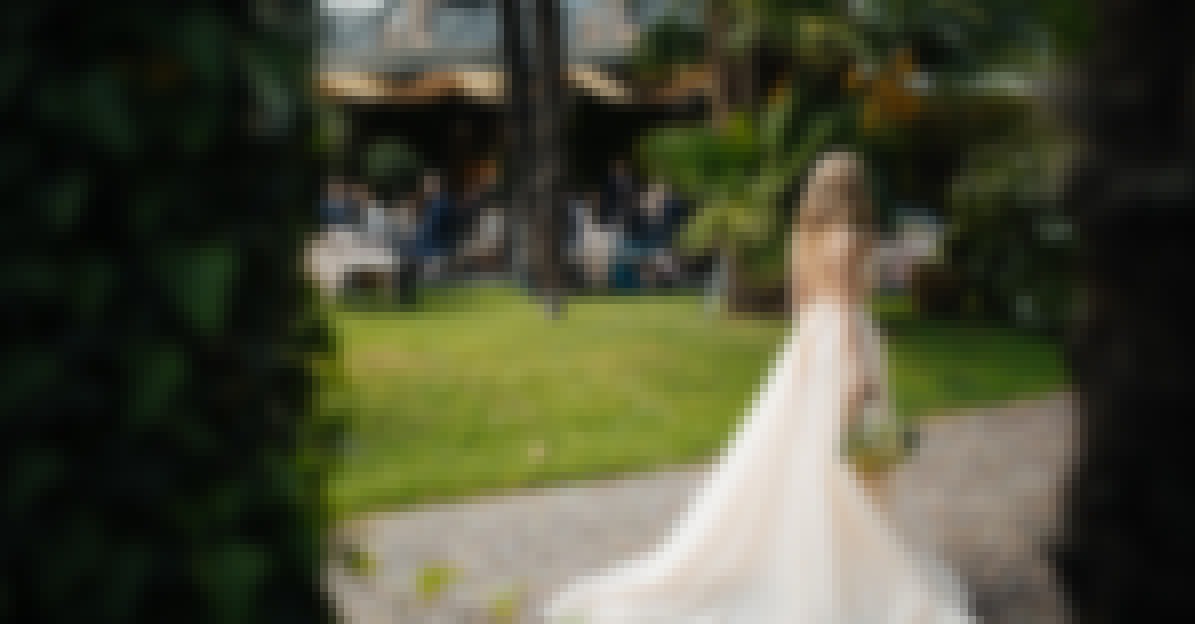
{"points": [[597, 250], [488, 240]]}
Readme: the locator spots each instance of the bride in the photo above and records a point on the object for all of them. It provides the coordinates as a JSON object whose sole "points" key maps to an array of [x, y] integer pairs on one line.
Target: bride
{"points": [[782, 532]]}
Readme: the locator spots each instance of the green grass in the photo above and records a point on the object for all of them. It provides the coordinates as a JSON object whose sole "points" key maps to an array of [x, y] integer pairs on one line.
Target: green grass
{"points": [[476, 391]]}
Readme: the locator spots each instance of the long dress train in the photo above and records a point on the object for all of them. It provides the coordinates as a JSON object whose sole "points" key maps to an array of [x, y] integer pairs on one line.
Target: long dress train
{"points": [[781, 532]]}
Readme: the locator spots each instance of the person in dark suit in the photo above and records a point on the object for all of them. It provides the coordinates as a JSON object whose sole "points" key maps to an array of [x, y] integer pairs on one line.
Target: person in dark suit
{"points": [[677, 211], [617, 211], [617, 203], [405, 271], [651, 229], [470, 209], [658, 227], [438, 234]]}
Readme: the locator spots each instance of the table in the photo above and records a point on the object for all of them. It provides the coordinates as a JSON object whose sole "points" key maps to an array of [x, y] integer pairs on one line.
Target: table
{"points": [[337, 254]]}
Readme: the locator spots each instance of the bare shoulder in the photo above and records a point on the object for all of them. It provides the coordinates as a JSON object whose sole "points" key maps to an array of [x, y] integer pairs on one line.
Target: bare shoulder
{"points": [[841, 241]]}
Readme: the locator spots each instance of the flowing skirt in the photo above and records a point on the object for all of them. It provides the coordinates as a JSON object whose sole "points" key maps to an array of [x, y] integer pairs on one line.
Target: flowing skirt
{"points": [[781, 532]]}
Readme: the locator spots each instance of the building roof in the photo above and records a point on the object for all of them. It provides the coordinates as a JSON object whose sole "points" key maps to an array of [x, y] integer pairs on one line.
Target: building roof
{"points": [[482, 85]]}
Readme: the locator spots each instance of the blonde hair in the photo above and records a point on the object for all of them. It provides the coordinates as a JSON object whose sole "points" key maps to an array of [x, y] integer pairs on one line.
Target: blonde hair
{"points": [[835, 196]]}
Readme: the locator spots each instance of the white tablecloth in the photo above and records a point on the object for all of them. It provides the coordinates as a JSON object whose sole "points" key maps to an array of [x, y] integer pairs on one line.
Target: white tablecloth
{"points": [[334, 255]]}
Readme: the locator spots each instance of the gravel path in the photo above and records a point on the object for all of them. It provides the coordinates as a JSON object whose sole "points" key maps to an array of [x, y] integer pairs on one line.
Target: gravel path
{"points": [[982, 491]]}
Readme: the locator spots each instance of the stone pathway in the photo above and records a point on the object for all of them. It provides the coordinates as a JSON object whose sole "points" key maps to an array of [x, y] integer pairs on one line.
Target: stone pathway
{"points": [[982, 491]]}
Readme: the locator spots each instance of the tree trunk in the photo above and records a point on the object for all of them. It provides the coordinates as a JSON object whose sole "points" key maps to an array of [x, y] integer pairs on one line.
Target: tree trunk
{"points": [[751, 97], [743, 296], [1127, 549], [518, 118], [718, 20], [732, 279], [548, 168], [716, 292]]}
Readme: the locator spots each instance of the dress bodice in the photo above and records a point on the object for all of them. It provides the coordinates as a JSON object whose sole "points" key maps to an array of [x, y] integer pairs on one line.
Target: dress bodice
{"points": [[835, 272]]}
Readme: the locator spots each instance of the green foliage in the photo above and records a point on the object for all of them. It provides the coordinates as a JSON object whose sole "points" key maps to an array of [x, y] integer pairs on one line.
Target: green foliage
{"points": [[667, 45], [159, 457], [359, 562], [391, 164], [946, 36], [434, 579], [1009, 245], [332, 133], [1071, 23], [741, 176]]}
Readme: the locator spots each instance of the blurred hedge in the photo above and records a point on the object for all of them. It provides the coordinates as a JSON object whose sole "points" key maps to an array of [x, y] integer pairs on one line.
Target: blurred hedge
{"points": [[160, 458], [1009, 245]]}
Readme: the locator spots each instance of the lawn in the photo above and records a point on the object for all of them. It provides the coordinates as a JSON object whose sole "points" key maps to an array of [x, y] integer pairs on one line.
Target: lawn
{"points": [[476, 392]]}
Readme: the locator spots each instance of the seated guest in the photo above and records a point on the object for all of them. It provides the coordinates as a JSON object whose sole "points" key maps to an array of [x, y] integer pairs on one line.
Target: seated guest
{"points": [[597, 253], [587, 245], [375, 222], [469, 212], [651, 229], [358, 205], [617, 202], [436, 238], [487, 246], [578, 215], [401, 218], [658, 227], [402, 225], [677, 211], [334, 209], [482, 225]]}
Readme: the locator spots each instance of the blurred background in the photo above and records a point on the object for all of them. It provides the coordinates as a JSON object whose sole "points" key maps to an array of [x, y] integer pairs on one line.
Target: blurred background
{"points": [[568, 259], [649, 202], [362, 309]]}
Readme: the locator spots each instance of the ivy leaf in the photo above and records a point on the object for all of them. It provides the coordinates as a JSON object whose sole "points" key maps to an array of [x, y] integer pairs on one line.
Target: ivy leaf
{"points": [[104, 113], [14, 66], [157, 375], [358, 562], [33, 376], [274, 105], [434, 579], [778, 121], [64, 204], [128, 571], [39, 469], [201, 283], [230, 576], [204, 44]]}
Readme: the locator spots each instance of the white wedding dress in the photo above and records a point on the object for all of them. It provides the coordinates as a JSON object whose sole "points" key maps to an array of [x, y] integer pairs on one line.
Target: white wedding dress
{"points": [[781, 532]]}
